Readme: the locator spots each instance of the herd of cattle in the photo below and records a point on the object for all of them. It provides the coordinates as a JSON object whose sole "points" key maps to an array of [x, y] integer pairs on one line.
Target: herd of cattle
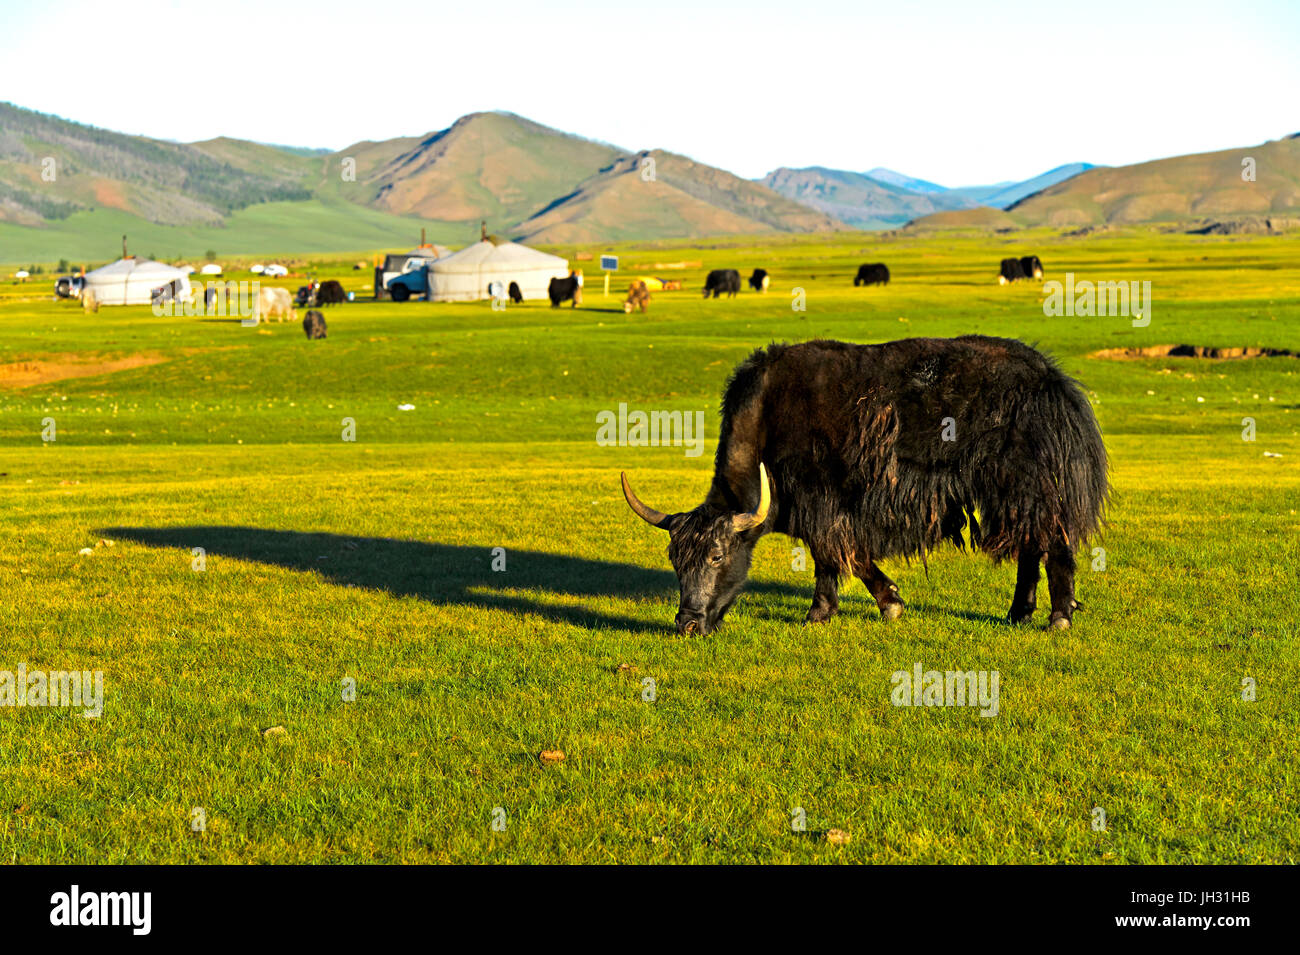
{"points": [[727, 282], [276, 302]]}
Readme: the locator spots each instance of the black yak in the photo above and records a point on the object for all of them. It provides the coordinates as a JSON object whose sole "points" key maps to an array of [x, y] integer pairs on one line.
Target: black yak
{"points": [[722, 280], [516, 296], [1032, 266], [330, 292], [564, 290], [313, 325], [1010, 271], [875, 274], [870, 452], [759, 280]]}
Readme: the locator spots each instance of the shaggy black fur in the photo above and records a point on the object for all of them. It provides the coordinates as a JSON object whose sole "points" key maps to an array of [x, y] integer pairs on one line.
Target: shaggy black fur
{"points": [[874, 274], [1012, 270], [881, 451], [330, 292], [313, 325], [722, 280], [1032, 266]]}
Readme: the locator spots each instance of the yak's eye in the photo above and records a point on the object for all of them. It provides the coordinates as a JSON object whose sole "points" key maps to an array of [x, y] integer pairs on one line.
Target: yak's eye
{"points": [[715, 557]]}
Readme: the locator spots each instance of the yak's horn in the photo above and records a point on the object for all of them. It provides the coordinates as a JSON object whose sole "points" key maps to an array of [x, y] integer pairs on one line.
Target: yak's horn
{"points": [[643, 511], [743, 522]]}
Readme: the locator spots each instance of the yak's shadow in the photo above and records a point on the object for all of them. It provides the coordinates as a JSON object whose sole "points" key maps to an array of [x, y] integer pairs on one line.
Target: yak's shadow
{"points": [[445, 574]]}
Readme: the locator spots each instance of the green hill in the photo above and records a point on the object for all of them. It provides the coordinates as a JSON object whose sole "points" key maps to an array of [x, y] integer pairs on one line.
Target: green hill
{"points": [[51, 168]]}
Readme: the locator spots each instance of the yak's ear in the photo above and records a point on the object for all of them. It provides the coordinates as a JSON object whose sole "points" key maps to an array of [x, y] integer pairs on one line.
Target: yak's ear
{"points": [[644, 511]]}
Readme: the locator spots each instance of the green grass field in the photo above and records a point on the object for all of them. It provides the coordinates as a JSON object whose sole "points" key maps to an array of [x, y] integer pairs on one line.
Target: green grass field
{"points": [[372, 561]]}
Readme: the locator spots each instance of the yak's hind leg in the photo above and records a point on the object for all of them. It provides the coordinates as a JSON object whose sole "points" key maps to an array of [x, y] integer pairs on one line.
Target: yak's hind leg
{"points": [[882, 588], [826, 592], [1025, 601], [1060, 585]]}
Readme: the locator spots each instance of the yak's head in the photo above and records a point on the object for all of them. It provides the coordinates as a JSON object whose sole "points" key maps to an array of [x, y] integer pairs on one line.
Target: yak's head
{"points": [[710, 548]]}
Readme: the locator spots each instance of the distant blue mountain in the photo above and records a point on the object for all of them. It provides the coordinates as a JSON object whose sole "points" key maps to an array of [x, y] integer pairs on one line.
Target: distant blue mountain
{"points": [[891, 178], [883, 198], [1006, 194]]}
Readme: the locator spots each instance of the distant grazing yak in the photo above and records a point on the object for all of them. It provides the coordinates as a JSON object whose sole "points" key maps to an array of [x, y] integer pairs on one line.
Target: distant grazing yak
{"points": [[1011, 271], [565, 290], [720, 281], [759, 280], [876, 274], [638, 296], [330, 292], [314, 325], [871, 452], [516, 296]]}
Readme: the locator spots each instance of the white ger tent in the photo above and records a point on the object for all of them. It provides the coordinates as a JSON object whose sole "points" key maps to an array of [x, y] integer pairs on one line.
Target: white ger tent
{"points": [[131, 281], [464, 276]]}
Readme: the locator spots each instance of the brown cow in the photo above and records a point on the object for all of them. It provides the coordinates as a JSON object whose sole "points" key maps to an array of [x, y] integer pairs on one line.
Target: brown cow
{"points": [[638, 296]]}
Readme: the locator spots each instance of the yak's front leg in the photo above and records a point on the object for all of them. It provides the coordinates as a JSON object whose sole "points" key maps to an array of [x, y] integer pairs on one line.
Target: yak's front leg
{"points": [[884, 590], [826, 592]]}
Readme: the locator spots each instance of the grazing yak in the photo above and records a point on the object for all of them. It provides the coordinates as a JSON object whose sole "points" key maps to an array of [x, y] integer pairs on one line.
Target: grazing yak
{"points": [[874, 274], [870, 452], [1010, 271], [638, 296], [516, 296], [722, 280], [564, 290], [760, 280], [274, 303], [330, 292], [314, 325], [1032, 266]]}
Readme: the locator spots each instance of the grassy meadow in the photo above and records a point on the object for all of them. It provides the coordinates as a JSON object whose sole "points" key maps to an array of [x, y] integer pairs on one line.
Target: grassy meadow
{"points": [[330, 564]]}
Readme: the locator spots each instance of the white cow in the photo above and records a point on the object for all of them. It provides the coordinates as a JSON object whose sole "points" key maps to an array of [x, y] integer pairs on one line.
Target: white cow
{"points": [[275, 302]]}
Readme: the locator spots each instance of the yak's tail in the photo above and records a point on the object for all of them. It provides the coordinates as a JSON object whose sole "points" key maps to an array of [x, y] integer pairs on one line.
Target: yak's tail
{"points": [[1055, 493], [1072, 470]]}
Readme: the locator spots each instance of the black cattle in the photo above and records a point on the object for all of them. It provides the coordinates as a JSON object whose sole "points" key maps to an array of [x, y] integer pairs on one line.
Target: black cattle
{"points": [[759, 280], [516, 296], [1032, 266], [722, 280], [566, 289], [1011, 271], [875, 274], [330, 292], [867, 452], [314, 325]]}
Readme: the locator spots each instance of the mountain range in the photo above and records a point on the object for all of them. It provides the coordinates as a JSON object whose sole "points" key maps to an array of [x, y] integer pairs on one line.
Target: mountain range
{"points": [[882, 198], [66, 188], [1260, 183]]}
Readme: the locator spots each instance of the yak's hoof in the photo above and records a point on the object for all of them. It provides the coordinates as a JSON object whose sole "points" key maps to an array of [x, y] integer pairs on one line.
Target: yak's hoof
{"points": [[1016, 619], [1059, 621], [821, 614], [892, 611]]}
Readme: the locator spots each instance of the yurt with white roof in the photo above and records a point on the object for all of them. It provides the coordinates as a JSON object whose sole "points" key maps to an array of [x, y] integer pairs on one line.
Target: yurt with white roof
{"points": [[464, 276], [131, 281]]}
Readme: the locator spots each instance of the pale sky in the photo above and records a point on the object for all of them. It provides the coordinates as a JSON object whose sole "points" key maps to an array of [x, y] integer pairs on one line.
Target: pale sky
{"points": [[960, 93]]}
